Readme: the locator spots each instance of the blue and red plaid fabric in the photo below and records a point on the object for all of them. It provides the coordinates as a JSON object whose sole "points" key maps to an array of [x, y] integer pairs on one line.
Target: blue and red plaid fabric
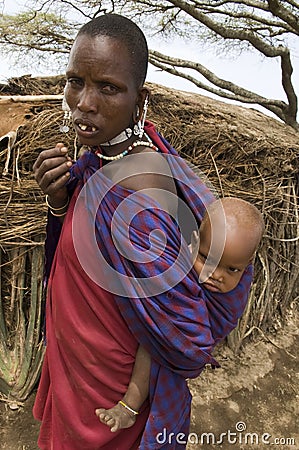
{"points": [[179, 325]]}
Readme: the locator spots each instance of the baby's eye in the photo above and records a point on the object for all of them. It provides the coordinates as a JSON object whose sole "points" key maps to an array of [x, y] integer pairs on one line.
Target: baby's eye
{"points": [[234, 269], [202, 256]]}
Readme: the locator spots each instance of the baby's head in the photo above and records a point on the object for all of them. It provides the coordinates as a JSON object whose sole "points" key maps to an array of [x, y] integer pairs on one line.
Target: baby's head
{"points": [[237, 228]]}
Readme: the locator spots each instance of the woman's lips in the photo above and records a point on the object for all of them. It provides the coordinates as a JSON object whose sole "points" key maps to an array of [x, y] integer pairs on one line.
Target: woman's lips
{"points": [[85, 128]]}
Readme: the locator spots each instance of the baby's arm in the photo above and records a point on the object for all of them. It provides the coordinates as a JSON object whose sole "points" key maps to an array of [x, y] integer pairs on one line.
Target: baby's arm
{"points": [[139, 384], [121, 416]]}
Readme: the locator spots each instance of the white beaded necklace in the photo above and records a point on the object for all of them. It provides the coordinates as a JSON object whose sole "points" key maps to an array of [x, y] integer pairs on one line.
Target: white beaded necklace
{"points": [[125, 152]]}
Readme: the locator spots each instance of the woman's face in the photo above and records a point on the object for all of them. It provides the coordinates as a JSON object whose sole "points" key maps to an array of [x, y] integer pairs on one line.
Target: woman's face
{"points": [[101, 91]]}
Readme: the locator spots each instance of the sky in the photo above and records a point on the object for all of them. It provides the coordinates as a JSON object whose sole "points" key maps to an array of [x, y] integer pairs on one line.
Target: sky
{"points": [[249, 70]]}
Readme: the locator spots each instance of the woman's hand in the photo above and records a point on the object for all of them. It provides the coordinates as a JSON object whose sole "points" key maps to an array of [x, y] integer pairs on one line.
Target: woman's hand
{"points": [[51, 171]]}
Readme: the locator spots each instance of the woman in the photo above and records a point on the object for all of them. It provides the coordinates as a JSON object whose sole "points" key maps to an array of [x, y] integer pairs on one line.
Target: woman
{"points": [[111, 286]]}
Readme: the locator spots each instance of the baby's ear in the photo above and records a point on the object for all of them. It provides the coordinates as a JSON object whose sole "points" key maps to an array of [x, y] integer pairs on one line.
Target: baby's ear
{"points": [[194, 244]]}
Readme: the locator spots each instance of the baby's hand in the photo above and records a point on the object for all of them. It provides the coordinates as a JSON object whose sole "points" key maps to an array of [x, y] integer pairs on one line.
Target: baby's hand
{"points": [[116, 418]]}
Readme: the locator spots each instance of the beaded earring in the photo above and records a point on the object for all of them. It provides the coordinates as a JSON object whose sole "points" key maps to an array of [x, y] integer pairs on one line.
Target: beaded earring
{"points": [[144, 113], [65, 126], [138, 129]]}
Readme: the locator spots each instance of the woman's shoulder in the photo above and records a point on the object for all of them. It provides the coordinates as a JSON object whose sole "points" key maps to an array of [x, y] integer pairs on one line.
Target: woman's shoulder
{"points": [[147, 169], [147, 172]]}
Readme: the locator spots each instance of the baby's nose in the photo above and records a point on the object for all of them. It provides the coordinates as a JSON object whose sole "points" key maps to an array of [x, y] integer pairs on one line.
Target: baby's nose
{"points": [[217, 275]]}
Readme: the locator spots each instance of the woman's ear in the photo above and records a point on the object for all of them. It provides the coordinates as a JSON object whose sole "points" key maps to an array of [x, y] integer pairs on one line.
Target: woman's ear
{"points": [[142, 102], [139, 115]]}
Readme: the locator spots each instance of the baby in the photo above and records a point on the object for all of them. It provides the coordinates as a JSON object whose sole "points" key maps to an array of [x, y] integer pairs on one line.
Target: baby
{"points": [[228, 237]]}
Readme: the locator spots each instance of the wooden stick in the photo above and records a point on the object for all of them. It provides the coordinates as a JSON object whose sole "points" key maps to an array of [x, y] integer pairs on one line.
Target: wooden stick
{"points": [[29, 98]]}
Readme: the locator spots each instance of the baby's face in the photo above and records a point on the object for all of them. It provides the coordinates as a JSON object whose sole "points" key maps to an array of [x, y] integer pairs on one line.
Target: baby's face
{"points": [[222, 273]]}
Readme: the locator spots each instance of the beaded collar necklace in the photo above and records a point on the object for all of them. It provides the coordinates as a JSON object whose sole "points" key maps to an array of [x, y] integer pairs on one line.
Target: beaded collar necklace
{"points": [[125, 152], [122, 137]]}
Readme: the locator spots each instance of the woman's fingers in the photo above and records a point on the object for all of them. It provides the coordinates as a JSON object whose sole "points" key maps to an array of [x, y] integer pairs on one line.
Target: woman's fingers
{"points": [[53, 189], [59, 151], [51, 169], [52, 177]]}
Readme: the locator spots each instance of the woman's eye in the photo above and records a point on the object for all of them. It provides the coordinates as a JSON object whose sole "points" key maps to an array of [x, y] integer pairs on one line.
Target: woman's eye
{"points": [[75, 82], [109, 89]]}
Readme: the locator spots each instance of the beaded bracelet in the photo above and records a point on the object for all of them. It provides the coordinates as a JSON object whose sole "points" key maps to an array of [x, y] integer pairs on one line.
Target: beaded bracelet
{"points": [[128, 408], [56, 209]]}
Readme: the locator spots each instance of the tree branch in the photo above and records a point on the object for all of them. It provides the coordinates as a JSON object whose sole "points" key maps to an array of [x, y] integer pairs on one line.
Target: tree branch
{"points": [[251, 18], [235, 92], [32, 46], [229, 33], [284, 14], [286, 71]]}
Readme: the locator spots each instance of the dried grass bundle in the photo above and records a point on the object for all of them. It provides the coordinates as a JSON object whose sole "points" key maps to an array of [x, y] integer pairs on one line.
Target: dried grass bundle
{"points": [[22, 232], [27, 85]]}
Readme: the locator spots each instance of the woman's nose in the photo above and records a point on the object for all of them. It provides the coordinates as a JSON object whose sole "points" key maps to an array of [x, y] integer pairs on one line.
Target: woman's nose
{"points": [[87, 101]]}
